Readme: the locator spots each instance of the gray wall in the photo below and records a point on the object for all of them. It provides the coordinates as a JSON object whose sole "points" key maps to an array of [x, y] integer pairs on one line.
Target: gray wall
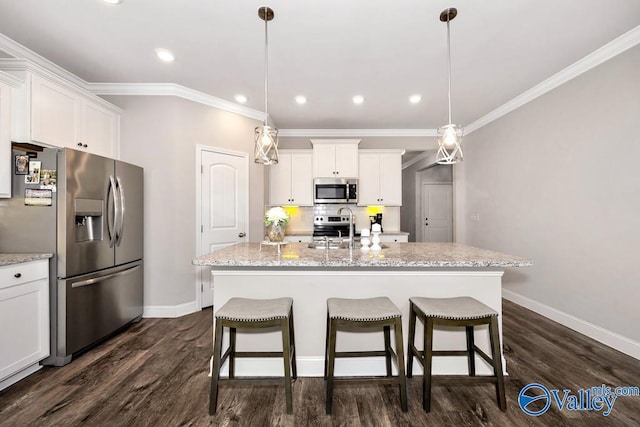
{"points": [[160, 134], [557, 181], [423, 171]]}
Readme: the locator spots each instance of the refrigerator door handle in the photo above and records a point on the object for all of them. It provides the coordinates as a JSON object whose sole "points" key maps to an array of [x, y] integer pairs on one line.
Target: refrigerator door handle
{"points": [[111, 225], [103, 278], [120, 231]]}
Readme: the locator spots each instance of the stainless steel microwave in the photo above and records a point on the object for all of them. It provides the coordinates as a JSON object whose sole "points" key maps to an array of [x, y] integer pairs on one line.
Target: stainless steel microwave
{"points": [[335, 190]]}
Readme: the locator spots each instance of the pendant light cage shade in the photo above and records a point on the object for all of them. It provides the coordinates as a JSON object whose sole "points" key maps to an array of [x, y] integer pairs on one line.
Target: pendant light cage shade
{"points": [[449, 144], [266, 145], [450, 135], [265, 136]]}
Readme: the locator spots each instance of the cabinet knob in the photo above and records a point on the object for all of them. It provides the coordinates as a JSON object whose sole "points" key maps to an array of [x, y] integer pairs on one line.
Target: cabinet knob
{"points": [[79, 144], [241, 234], [17, 275], [84, 145]]}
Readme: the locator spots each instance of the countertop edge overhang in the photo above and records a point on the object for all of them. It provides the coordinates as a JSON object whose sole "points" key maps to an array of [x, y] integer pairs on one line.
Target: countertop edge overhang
{"points": [[396, 257], [10, 259]]}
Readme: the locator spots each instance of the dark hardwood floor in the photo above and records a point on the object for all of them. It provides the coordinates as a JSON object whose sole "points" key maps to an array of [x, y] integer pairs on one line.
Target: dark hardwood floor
{"points": [[155, 374]]}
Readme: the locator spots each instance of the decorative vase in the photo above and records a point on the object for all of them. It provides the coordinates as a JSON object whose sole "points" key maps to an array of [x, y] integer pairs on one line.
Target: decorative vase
{"points": [[275, 232]]}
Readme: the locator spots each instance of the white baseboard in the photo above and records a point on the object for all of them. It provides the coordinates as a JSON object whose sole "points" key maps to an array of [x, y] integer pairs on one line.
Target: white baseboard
{"points": [[370, 366], [169, 311], [20, 375], [606, 337]]}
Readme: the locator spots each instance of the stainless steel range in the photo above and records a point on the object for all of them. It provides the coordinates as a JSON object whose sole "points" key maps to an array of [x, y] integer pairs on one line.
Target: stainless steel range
{"points": [[331, 226]]}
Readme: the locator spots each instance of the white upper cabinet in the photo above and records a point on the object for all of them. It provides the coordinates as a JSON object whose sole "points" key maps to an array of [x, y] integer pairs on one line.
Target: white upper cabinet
{"points": [[55, 113], [101, 130], [6, 159], [335, 158], [49, 110], [380, 179], [291, 180]]}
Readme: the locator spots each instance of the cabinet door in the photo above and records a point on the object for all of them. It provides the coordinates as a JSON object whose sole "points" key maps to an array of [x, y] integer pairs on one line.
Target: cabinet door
{"points": [[346, 160], [369, 180], [54, 114], [280, 181], [301, 179], [6, 159], [100, 133], [324, 160], [391, 179], [24, 316]]}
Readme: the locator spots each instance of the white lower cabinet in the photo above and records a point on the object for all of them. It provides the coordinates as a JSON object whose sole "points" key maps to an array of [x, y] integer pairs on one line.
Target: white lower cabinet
{"points": [[24, 319]]}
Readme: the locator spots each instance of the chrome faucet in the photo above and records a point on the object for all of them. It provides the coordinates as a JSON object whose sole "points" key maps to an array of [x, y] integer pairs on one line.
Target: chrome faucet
{"points": [[350, 224]]}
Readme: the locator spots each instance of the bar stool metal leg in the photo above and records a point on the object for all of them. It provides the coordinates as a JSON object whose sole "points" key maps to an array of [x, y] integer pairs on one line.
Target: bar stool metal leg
{"points": [[428, 358], [232, 352], [215, 374], [400, 355], [292, 335], [330, 366], [286, 356], [472, 355], [497, 362], [387, 348], [411, 350]]}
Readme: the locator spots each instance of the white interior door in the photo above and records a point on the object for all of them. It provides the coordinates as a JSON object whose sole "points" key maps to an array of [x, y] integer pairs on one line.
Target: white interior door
{"points": [[437, 213], [224, 201]]}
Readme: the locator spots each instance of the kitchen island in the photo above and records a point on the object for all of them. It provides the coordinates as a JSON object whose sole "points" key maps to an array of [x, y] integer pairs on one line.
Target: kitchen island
{"points": [[398, 271]]}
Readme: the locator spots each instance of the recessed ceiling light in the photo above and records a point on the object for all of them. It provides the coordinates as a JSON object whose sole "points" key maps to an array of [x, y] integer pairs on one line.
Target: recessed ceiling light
{"points": [[358, 99], [114, 1], [165, 55], [414, 99], [301, 99], [241, 99]]}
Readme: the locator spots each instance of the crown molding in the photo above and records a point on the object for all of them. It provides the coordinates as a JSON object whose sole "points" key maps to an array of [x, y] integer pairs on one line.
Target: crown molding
{"points": [[342, 133], [10, 80], [16, 50], [172, 89], [419, 158], [597, 57]]}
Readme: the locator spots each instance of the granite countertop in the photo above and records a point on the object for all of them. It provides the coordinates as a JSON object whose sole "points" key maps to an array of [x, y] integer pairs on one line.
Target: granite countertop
{"points": [[9, 259], [310, 233], [394, 255]]}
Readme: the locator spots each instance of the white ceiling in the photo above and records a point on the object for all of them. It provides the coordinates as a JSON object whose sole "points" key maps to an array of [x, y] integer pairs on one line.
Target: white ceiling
{"points": [[328, 50]]}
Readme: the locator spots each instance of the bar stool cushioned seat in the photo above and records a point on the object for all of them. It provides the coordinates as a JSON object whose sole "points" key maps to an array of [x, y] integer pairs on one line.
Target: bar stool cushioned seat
{"points": [[248, 313], [362, 315], [458, 311]]}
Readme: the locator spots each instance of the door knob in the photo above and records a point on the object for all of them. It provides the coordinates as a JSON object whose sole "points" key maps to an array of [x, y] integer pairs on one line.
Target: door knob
{"points": [[241, 234]]}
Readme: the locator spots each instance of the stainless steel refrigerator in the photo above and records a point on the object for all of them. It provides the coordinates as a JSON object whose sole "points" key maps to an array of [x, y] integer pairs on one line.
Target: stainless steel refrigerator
{"points": [[91, 218]]}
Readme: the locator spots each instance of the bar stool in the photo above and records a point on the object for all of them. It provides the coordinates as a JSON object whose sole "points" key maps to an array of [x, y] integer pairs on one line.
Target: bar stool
{"points": [[460, 311], [247, 313], [358, 315]]}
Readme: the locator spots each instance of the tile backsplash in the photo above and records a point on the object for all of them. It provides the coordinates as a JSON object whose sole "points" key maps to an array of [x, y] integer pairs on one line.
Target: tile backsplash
{"points": [[302, 217]]}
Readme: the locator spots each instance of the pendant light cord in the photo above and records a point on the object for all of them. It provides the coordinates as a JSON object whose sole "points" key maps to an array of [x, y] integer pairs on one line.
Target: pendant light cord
{"points": [[266, 68], [449, 63]]}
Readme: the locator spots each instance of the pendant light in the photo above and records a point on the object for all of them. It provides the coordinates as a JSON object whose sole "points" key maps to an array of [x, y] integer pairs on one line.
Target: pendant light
{"points": [[266, 137], [450, 135]]}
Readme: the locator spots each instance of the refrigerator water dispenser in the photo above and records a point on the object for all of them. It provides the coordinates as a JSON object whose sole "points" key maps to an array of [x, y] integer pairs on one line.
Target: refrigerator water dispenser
{"points": [[88, 213]]}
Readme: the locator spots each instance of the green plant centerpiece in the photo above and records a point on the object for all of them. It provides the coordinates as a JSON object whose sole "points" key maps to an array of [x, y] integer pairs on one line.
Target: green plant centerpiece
{"points": [[275, 220]]}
